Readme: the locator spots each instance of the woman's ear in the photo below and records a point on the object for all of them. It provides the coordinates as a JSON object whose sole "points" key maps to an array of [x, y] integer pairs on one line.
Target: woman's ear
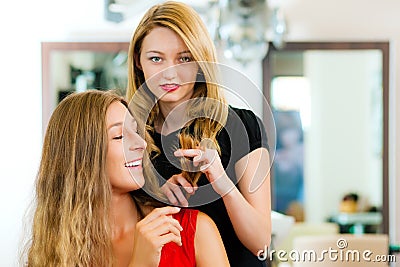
{"points": [[137, 62]]}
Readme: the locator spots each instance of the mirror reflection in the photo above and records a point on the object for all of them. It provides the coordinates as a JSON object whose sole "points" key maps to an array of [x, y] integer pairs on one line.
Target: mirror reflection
{"points": [[82, 70], [328, 106], [75, 67]]}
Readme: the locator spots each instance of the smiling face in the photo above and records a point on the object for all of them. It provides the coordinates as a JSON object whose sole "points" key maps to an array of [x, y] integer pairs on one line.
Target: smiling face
{"points": [[168, 67], [125, 150]]}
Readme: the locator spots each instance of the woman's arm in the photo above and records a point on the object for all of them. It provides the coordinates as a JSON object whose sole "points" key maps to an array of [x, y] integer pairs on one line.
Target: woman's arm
{"points": [[209, 249], [250, 208]]}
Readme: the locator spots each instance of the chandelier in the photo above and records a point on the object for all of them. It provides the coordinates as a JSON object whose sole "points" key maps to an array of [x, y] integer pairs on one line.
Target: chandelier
{"points": [[243, 29], [246, 27]]}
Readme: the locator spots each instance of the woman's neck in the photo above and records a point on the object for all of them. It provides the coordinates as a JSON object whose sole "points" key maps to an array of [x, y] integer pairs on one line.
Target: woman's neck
{"points": [[124, 214], [123, 219], [170, 118]]}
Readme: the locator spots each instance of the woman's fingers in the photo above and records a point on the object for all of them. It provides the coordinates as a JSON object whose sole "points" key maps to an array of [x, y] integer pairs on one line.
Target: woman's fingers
{"points": [[158, 223], [162, 226], [152, 233], [161, 218], [168, 192], [195, 154], [206, 157], [184, 183], [211, 165], [156, 213], [176, 196], [172, 189], [191, 152], [164, 239]]}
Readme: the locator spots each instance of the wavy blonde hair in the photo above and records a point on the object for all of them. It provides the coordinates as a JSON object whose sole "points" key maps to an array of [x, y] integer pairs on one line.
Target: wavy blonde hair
{"points": [[210, 116], [73, 194]]}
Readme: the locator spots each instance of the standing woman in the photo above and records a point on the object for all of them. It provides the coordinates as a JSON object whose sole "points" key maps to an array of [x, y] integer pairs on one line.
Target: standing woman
{"points": [[172, 79], [90, 211]]}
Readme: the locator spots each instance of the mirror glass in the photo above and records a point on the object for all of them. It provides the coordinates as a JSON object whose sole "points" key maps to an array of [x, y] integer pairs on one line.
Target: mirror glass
{"points": [[76, 67], [329, 109]]}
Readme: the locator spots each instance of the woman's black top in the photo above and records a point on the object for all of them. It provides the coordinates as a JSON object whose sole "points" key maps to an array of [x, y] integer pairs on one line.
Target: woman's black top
{"points": [[243, 133]]}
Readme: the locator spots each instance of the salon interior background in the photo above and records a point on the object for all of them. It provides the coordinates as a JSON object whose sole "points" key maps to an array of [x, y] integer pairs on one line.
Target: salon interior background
{"points": [[24, 24]]}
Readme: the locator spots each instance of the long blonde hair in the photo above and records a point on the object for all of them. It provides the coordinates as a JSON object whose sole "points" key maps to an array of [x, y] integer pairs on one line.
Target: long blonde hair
{"points": [[184, 21], [73, 194]]}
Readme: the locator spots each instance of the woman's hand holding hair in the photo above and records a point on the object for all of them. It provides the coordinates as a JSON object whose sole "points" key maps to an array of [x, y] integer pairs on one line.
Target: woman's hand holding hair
{"points": [[172, 189], [152, 233], [209, 163]]}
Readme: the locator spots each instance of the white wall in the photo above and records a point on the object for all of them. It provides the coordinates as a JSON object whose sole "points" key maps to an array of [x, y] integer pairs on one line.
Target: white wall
{"points": [[25, 23]]}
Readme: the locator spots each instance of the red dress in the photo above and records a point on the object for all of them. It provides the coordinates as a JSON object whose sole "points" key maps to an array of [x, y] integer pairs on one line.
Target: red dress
{"points": [[184, 256]]}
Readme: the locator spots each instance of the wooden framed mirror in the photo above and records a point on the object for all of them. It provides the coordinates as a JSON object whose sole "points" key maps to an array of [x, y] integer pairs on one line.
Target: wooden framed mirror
{"points": [[77, 66], [330, 105]]}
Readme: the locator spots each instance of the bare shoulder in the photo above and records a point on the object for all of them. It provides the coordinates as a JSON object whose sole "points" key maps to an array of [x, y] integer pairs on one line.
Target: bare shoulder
{"points": [[206, 231], [208, 242], [205, 225]]}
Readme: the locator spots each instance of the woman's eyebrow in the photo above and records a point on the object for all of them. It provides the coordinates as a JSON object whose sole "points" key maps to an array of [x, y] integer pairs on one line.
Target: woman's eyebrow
{"points": [[159, 52], [115, 125], [154, 51], [185, 52]]}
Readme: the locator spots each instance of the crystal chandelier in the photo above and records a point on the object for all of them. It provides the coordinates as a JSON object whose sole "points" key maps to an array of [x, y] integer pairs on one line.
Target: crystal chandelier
{"points": [[246, 27]]}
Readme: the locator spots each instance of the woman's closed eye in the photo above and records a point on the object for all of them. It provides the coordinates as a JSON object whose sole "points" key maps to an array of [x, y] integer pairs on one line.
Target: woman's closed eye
{"points": [[119, 137]]}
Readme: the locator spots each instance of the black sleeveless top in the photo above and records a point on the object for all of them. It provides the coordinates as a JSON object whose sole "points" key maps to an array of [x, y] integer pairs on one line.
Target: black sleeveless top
{"points": [[243, 133]]}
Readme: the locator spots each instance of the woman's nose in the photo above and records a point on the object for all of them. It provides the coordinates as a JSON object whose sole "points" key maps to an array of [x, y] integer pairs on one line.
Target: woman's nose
{"points": [[170, 72], [136, 142]]}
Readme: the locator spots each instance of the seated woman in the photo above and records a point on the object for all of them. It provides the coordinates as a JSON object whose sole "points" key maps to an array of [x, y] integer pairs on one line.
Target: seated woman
{"points": [[85, 212]]}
